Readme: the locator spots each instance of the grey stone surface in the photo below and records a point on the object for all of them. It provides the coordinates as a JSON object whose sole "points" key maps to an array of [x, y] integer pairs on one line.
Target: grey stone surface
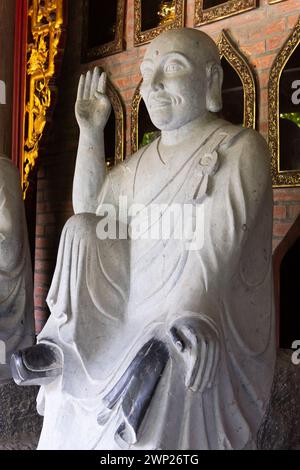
{"points": [[280, 429], [111, 294], [20, 425], [16, 281]]}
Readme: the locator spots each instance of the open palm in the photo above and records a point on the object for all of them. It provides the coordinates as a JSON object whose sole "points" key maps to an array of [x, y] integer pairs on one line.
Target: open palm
{"points": [[92, 107]]}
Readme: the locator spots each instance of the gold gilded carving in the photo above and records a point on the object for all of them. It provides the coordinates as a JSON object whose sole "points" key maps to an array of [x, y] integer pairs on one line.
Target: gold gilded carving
{"points": [[135, 105], [142, 37], [228, 50], [166, 12], [46, 29], [280, 178], [227, 8], [120, 123]]}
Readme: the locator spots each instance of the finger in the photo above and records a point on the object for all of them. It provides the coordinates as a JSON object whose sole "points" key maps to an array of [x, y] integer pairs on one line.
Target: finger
{"points": [[208, 368], [87, 86], [215, 365], [190, 339], [193, 358], [197, 385], [95, 81], [102, 83], [80, 89], [176, 339], [192, 370]]}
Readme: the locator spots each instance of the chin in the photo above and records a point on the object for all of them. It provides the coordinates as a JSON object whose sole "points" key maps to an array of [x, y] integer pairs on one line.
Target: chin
{"points": [[161, 116], [165, 120], [169, 126], [161, 121]]}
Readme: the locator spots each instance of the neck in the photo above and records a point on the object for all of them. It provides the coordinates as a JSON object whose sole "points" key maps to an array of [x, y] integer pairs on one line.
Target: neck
{"points": [[176, 136]]}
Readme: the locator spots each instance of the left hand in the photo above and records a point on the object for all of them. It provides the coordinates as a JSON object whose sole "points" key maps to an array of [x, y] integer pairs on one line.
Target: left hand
{"points": [[92, 108], [197, 342]]}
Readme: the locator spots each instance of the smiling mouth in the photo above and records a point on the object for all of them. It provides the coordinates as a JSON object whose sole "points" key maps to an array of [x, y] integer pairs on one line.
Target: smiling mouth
{"points": [[159, 104]]}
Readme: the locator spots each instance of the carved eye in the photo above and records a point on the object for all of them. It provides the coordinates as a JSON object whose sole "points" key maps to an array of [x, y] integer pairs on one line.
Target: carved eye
{"points": [[173, 67]]}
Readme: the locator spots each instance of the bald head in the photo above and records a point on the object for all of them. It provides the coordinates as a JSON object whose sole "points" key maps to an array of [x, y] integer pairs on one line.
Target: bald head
{"points": [[182, 78], [195, 44]]}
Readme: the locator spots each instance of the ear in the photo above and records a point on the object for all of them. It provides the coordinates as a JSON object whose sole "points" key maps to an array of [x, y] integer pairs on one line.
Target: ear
{"points": [[214, 75]]}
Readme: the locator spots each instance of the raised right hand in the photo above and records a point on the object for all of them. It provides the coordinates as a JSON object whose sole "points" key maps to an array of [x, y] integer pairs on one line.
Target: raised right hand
{"points": [[92, 107]]}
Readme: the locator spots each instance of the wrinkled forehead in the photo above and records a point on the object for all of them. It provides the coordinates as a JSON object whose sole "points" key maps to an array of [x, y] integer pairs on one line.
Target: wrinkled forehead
{"points": [[195, 48], [161, 48]]}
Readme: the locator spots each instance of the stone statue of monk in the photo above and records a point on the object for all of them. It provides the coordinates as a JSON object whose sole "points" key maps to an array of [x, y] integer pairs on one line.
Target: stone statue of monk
{"points": [[159, 342], [16, 286]]}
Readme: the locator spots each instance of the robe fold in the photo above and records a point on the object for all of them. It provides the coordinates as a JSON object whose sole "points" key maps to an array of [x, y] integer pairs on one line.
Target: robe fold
{"points": [[109, 297], [16, 286]]}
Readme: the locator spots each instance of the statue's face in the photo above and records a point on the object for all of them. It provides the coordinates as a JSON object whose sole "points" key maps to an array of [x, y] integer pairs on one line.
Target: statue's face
{"points": [[174, 82]]}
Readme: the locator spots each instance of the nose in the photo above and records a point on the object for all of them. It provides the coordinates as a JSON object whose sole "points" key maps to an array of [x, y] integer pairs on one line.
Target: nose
{"points": [[157, 81]]}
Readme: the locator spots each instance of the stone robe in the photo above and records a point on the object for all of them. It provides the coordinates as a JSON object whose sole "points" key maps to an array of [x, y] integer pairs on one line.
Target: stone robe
{"points": [[16, 286], [109, 297]]}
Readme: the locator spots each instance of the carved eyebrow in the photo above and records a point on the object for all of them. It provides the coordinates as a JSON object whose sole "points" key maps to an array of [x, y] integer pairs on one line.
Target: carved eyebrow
{"points": [[172, 54], [177, 55]]}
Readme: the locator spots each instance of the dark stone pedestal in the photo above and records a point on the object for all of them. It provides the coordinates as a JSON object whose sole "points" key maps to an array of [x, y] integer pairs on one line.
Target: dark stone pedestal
{"points": [[20, 425], [280, 429]]}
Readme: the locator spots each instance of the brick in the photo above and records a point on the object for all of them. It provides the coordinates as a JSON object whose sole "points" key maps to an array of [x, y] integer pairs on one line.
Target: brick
{"points": [[280, 229], [263, 78], [40, 230], [279, 212], [277, 26], [130, 82], [39, 313], [264, 96], [42, 279], [44, 266], [285, 7], [44, 243], [123, 70], [42, 207], [254, 49], [263, 128], [287, 194], [128, 95], [252, 19], [265, 61], [274, 43], [293, 211], [51, 230], [292, 20], [41, 172], [39, 301], [43, 254], [41, 291], [264, 112], [45, 219]]}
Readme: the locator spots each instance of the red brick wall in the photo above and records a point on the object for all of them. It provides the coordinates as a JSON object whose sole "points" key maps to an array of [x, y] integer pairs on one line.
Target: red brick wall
{"points": [[259, 33]]}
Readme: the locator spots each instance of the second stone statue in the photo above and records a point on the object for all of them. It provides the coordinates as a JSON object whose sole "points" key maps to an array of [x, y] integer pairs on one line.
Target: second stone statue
{"points": [[16, 283]]}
